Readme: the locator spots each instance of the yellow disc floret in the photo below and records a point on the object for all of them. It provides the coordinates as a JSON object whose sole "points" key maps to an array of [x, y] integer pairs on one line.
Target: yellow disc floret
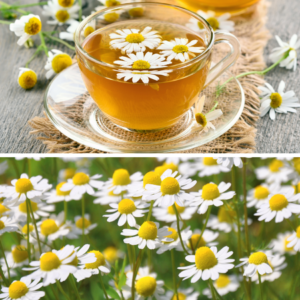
{"points": [[205, 258], [110, 3], [3, 210], [61, 62], [121, 177], [100, 260], [2, 225], [111, 17], [146, 286], [23, 207], [23, 185], [27, 79], [276, 100], [276, 165], [180, 209], [110, 254], [258, 258], [48, 227], [141, 65], [278, 202], [24, 228], [66, 3], [261, 192], [69, 173], [179, 296], [226, 215], [173, 235], [17, 290], [161, 169], [126, 206], [136, 12], [298, 232], [286, 242], [213, 22], [170, 186], [151, 178], [19, 254], [83, 222], [134, 38], [62, 16], [222, 281], [201, 119], [88, 30], [209, 161], [148, 231], [81, 178], [59, 192], [210, 191], [180, 49], [49, 261], [194, 239], [33, 26]]}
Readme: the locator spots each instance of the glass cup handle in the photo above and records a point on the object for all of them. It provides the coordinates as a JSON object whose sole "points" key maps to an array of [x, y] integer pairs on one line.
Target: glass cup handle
{"points": [[228, 60]]}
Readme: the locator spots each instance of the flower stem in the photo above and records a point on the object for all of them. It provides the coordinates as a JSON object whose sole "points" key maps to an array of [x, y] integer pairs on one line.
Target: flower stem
{"points": [[213, 294], [6, 6], [291, 224], [219, 296], [260, 286], [179, 231], [102, 286], [174, 274], [62, 290], [25, 5], [43, 44], [66, 210], [15, 166], [35, 227], [296, 278], [5, 22], [82, 215], [135, 271], [8, 271], [150, 210], [73, 283], [59, 41], [54, 292], [2, 276], [28, 238], [80, 10], [245, 206], [203, 228]]}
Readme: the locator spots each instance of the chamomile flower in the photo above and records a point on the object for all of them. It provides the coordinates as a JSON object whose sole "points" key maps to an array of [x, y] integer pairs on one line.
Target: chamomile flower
{"points": [[27, 78], [280, 244], [172, 190], [190, 168], [224, 285], [290, 62], [73, 230], [207, 239], [259, 195], [183, 294], [5, 210], [111, 254], [69, 35], [180, 49], [53, 265], [229, 162], [256, 262], [175, 243], [105, 198], [23, 289], [277, 101], [84, 223], [17, 257], [279, 206], [57, 62], [82, 183], [147, 235], [126, 211], [57, 195], [65, 174], [8, 225], [132, 40], [207, 264], [209, 166], [294, 240], [61, 15], [26, 27], [111, 16], [211, 194]]}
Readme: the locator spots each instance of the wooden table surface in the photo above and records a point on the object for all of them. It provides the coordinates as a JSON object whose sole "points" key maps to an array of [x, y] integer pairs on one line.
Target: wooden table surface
{"points": [[19, 106]]}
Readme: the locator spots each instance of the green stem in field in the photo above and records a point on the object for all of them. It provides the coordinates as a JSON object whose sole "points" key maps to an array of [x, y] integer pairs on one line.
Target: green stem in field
{"points": [[73, 283], [66, 210], [35, 227], [291, 224], [150, 210], [102, 286], [62, 290], [219, 296], [245, 205], [273, 292], [4, 256], [59, 41], [179, 231], [6, 6], [15, 166], [135, 271], [213, 294], [43, 44], [82, 212], [260, 287], [174, 274], [296, 278], [28, 231], [204, 227], [80, 10], [54, 292], [3, 277]]}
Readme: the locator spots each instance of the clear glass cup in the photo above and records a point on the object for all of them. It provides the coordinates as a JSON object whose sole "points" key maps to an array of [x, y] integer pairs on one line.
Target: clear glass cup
{"points": [[159, 104]]}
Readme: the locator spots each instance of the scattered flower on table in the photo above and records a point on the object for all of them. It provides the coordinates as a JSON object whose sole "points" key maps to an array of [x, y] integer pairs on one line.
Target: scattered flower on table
{"points": [[27, 78]]}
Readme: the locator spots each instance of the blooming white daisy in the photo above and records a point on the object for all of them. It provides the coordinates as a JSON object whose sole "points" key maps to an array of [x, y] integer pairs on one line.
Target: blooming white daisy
{"points": [[256, 262], [8, 225], [5, 210], [3, 167], [60, 15], [207, 263], [25, 187], [65, 174], [126, 211], [73, 230], [294, 240], [228, 162], [17, 257], [22, 289], [211, 194], [111, 254], [147, 235], [290, 62], [27, 78], [172, 190], [207, 239], [53, 265], [277, 102], [190, 168], [188, 293], [280, 244], [132, 40], [57, 195], [25, 27], [175, 243], [260, 195], [209, 166], [105, 198], [57, 61], [279, 206], [82, 183], [84, 223]]}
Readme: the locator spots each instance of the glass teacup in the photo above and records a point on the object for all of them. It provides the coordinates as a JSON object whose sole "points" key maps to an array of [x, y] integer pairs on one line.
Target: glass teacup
{"points": [[138, 93]]}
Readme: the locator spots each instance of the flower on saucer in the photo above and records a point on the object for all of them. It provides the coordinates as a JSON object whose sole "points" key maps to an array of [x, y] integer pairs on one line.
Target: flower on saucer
{"points": [[209, 166], [132, 40], [25, 27], [57, 62], [211, 194], [17, 257], [85, 223], [256, 262], [27, 78], [207, 264], [105, 198], [289, 49], [280, 244], [229, 162], [224, 285], [294, 240], [279, 206], [22, 289], [147, 235], [180, 49], [8, 225], [277, 102], [53, 265], [188, 293], [126, 211], [57, 195], [207, 239]]}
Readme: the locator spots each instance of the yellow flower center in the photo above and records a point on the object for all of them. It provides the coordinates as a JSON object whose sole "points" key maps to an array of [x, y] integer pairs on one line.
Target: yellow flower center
{"points": [[85, 222], [69, 173], [276, 100], [88, 30], [148, 231], [23, 207], [136, 12], [205, 258], [61, 62], [48, 227], [180, 296], [121, 177], [141, 64], [201, 119], [161, 169], [66, 3], [210, 191], [59, 192], [111, 17], [278, 202], [170, 186], [214, 23], [297, 167], [126, 206], [33, 26], [100, 260], [23, 185], [209, 161], [24, 228], [275, 165], [146, 286], [180, 49], [110, 3], [17, 290], [81, 178], [226, 215], [261, 192], [222, 281], [298, 232], [258, 258], [110, 254], [286, 242], [200, 25], [180, 209], [134, 38], [19, 254], [49, 261], [194, 239], [151, 178], [173, 235], [2, 225], [3, 209], [27, 80], [62, 16]]}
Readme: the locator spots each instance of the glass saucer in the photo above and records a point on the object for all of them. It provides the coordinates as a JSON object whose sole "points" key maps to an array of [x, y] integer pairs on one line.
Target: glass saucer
{"points": [[74, 113]]}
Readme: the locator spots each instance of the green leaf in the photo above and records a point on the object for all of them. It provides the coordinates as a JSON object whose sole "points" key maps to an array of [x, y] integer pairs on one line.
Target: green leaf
{"points": [[112, 293], [122, 281]]}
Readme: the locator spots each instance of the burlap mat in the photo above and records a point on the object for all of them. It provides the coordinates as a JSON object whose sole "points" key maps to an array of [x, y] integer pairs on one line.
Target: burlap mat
{"points": [[253, 36]]}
